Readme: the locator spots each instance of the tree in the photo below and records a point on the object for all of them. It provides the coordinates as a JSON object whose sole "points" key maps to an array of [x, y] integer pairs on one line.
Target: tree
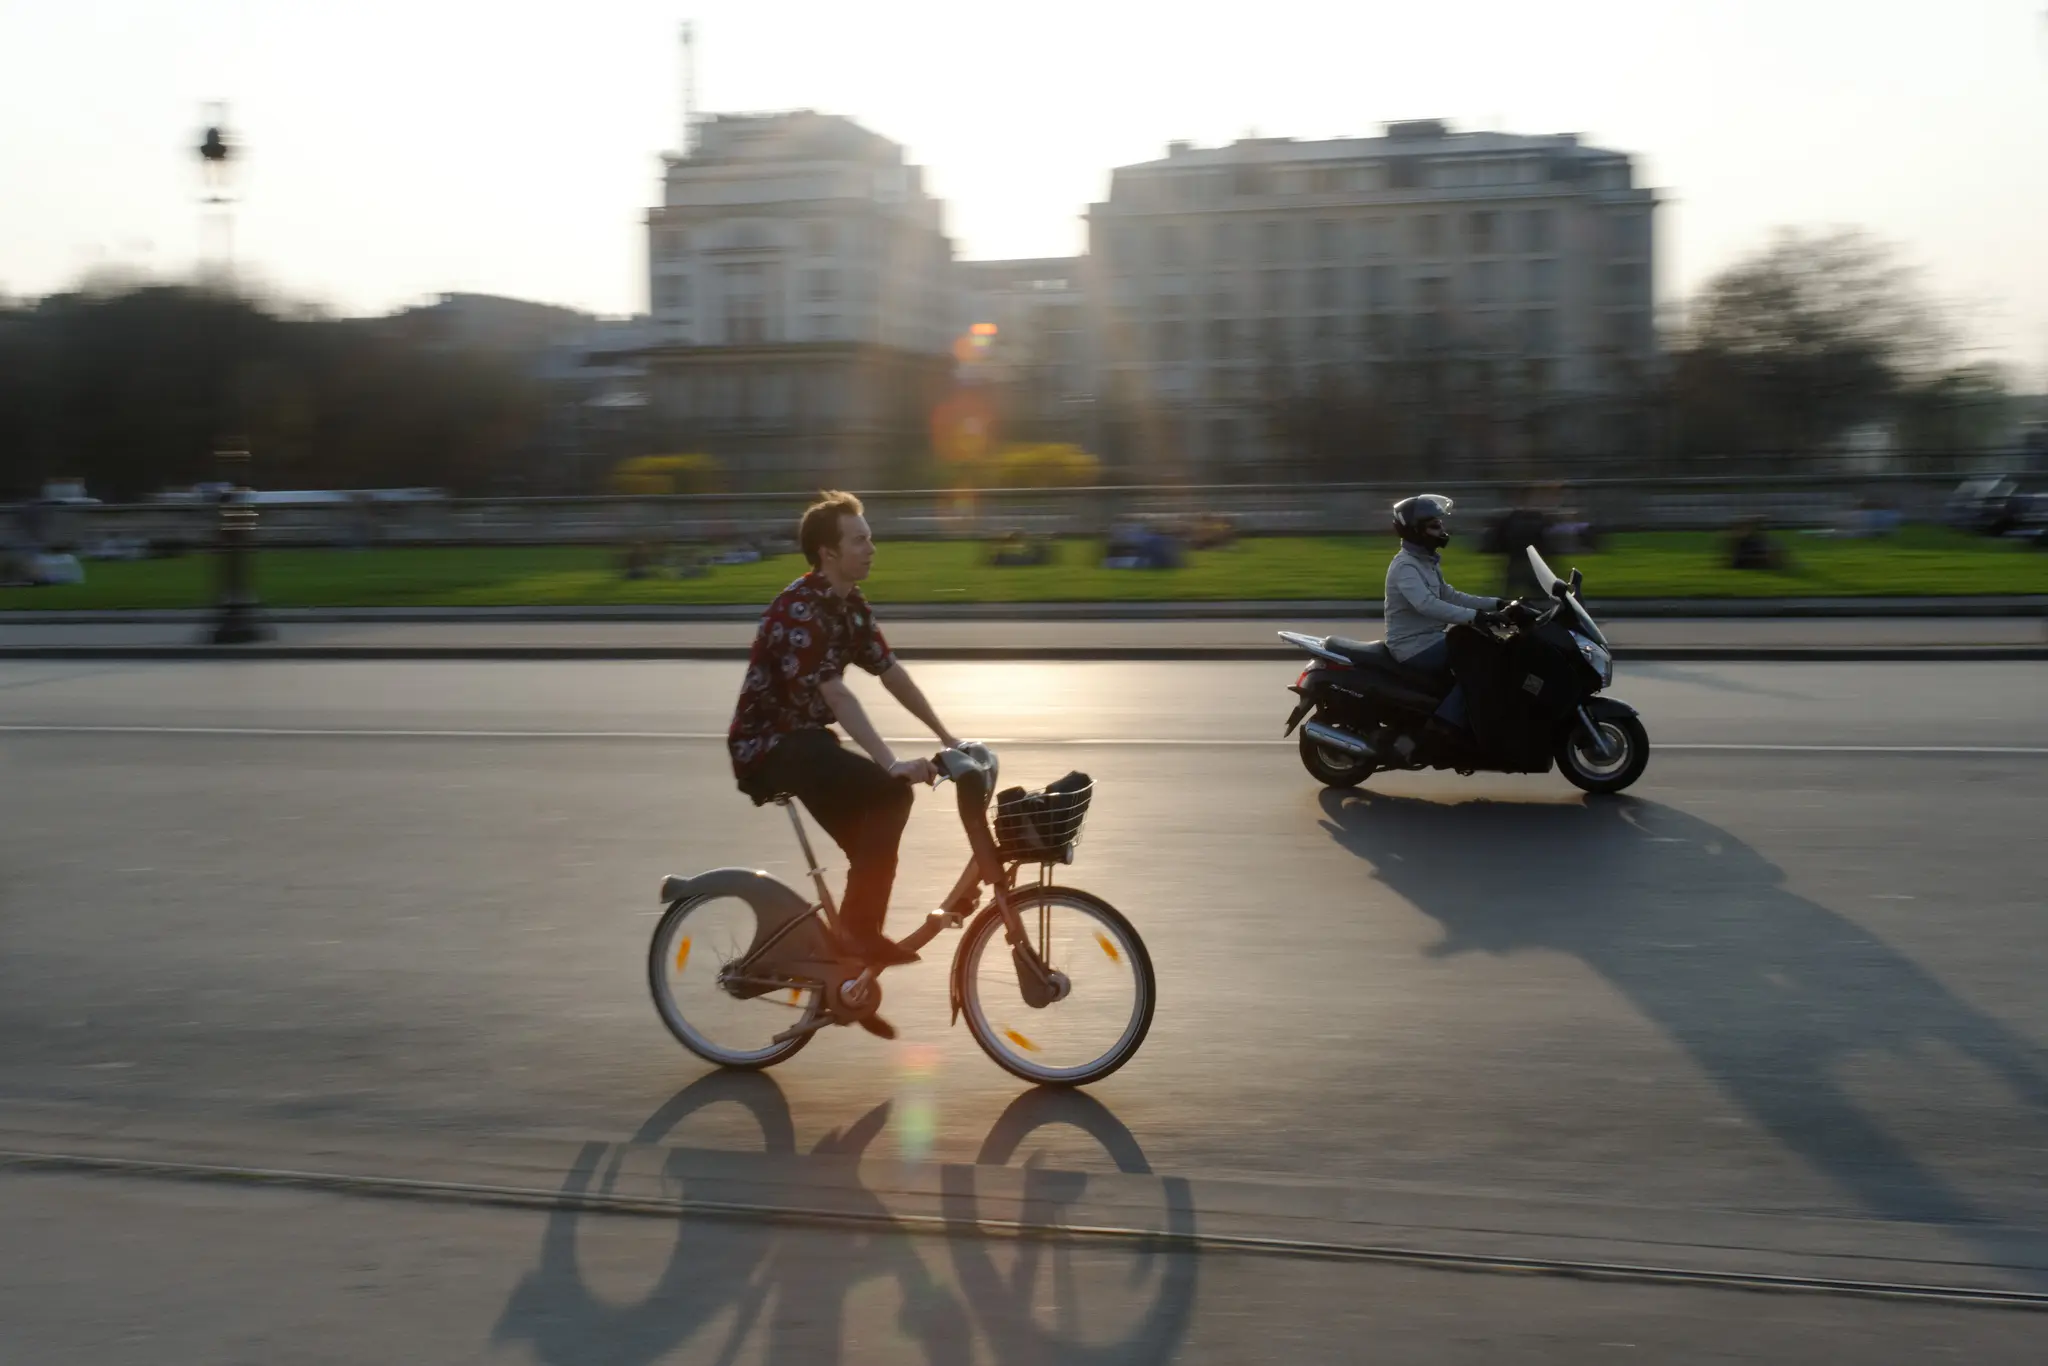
{"points": [[1817, 333], [133, 389]]}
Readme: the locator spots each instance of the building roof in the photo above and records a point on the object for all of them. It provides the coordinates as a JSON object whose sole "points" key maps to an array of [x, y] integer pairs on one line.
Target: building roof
{"points": [[1428, 137], [787, 135]]}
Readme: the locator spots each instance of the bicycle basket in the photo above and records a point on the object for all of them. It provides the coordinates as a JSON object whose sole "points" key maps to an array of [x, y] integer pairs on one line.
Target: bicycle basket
{"points": [[1043, 826]]}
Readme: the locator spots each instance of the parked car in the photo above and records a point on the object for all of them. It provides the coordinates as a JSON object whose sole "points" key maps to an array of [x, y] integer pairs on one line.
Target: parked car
{"points": [[1993, 505]]}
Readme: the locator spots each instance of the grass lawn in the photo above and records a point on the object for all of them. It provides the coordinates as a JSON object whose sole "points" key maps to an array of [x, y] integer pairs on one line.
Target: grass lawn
{"points": [[1920, 561]]}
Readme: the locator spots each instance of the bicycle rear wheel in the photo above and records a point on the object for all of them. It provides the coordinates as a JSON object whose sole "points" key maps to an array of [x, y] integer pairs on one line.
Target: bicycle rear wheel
{"points": [[1095, 1025], [733, 1024]]}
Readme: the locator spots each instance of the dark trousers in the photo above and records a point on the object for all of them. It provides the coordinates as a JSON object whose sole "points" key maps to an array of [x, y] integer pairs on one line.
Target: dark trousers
{"points": [[861, 807], [1435, 658]]}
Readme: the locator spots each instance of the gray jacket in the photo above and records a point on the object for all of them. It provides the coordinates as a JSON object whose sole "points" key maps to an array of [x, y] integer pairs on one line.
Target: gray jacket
{"points": [[1419, 604]]}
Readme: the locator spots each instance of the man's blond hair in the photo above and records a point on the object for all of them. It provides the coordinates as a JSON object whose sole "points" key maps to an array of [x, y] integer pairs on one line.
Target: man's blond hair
{"points": [[820, 525]]}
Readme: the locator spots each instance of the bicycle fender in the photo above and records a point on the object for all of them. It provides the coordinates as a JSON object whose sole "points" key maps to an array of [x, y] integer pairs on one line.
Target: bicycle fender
{"points": [[774, 905]]}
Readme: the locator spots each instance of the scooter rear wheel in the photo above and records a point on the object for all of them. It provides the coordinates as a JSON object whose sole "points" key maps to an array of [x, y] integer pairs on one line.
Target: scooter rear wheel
{"points": [[1333, 767]]}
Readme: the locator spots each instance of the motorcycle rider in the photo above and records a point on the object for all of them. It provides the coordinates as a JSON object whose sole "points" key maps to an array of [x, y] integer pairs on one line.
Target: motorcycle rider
{"points": [[1420, 605]]}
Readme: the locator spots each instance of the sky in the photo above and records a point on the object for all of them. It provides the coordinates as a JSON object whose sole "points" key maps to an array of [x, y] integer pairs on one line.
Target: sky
{"points": [[398, 150]]}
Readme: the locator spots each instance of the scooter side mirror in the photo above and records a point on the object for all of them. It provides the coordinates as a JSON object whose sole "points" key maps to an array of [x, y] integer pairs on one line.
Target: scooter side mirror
{"points": [[1577, 580]]}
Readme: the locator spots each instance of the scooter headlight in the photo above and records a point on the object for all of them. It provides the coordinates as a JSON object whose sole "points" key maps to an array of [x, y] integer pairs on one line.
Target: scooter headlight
{"points": [[1602, 663]]}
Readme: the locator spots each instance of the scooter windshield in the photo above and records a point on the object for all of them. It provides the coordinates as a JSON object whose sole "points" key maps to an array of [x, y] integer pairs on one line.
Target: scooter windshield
{"points": [[1551, 584]]}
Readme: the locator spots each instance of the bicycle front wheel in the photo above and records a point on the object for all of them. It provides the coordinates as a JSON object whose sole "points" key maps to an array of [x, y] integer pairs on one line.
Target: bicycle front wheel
{"points": [[1104, 1002], [723, 1020]]}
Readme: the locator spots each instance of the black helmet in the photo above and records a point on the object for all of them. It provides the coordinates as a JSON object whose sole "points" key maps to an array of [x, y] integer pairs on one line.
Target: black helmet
{"points": [[1411, 513]]}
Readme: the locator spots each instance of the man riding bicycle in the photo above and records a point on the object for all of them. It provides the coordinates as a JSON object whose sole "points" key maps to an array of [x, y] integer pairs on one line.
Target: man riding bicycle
{"points": [[795, 689]]}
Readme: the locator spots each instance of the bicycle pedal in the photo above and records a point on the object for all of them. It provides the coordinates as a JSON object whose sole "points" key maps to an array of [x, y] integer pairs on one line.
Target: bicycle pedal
{"points": [[877, 1026]]}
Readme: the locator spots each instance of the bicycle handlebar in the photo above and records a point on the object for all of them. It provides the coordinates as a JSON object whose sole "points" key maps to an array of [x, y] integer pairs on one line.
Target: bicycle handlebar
{"points": [[971, 757]]}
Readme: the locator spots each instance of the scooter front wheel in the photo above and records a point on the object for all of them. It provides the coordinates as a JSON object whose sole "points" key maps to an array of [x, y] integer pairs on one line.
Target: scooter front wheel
{"points": [[1627, 754], [1101, 1001]]}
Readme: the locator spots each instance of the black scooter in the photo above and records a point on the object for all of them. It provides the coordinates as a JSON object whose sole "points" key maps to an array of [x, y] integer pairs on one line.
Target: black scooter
{"points": [[1532, 690]]}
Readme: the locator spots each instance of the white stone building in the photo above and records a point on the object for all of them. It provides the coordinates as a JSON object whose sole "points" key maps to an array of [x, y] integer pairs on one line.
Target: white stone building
{"points": [[800, 279], [1465, 302]]}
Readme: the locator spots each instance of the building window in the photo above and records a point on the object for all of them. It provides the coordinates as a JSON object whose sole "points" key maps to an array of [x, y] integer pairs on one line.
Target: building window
{"points": [[1324, 180], [1167, 245], [1223, 440], [671, 293], [823, 286], [671, 244], [1404, 173], [1172, 341], [1223, 240], [1223, 296], [1273, 241], [1372, 236], [1542, 281], [1273, 291], [1326, 239], [1625, 284], [1379, 287], [1629, 234], [1329, 288], [1429, 235], [1485, 281], [1222, 339], [1538, 230], [746, 304], [1539, 331], [1251, 180], [819, 238], [1481, 233]]}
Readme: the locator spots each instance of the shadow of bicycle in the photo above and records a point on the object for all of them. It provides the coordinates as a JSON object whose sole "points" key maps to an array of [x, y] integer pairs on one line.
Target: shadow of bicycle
{"points": [[779, 1292], [1774, 997]]}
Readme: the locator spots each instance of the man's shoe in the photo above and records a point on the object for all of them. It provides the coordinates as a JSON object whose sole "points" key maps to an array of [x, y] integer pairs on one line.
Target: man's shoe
{"points": [[878, 950]]}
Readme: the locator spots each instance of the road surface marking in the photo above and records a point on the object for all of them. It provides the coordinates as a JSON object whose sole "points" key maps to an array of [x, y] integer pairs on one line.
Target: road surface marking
{"points": [[1017, 741]]}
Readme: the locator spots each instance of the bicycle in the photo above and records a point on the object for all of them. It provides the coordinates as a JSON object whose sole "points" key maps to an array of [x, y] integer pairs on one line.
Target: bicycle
{"points": [[748, 952]]}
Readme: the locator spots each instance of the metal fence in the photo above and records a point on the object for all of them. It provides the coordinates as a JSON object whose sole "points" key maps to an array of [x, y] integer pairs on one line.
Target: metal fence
{"points": [[1255, 509]]}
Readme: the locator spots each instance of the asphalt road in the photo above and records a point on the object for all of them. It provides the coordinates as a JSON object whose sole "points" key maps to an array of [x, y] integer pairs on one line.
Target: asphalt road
{"points": [[597, 635], [1777, 1011]]}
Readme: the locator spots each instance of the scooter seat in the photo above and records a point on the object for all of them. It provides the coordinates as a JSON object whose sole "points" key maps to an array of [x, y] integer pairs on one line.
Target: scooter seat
{"points": [[1374, 655]]}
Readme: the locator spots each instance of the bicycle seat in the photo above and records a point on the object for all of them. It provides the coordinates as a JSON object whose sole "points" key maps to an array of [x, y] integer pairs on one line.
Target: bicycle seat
{"points": [[1374, 655]]}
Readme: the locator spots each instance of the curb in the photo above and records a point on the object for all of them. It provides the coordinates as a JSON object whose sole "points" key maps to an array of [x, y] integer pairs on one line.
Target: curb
{"points": [[1617, 609], [1729, 654]]}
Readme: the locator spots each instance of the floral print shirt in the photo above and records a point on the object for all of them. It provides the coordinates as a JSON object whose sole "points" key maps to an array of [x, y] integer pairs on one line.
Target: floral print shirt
{"points": [[807, 637]]}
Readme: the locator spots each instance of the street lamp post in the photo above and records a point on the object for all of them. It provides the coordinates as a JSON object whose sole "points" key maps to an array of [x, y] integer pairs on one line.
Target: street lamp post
{"points": [[235, 618]]}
